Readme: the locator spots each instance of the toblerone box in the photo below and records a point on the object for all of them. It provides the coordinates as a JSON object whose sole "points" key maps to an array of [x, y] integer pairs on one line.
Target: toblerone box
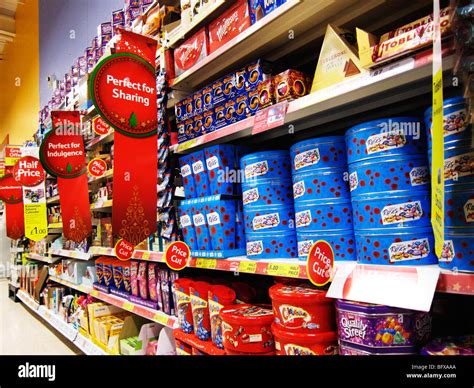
{"points": [[338, 60]]}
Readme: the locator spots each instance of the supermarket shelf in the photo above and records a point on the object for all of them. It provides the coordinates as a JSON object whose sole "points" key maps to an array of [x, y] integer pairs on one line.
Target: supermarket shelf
{"points": [[55, 225], [202, 19], [67, 330], [90, 112], [396, 82], [79, 287], [109, 138], [102, 206], [204, 346], [264, 36], [153, 315], [52, 200], [101, 251], [45, 259], [456, 283], [68, 253], [107, 174], [148, 256]]}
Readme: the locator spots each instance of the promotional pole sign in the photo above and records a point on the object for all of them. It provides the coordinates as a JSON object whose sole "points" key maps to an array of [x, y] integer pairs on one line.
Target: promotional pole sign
{"points": [[62, 155], [30, 174], [123, 90], [12, 195]]}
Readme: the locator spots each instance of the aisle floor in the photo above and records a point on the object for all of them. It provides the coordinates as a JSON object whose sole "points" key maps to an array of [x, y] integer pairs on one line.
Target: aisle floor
{"points": [[21, 333]]}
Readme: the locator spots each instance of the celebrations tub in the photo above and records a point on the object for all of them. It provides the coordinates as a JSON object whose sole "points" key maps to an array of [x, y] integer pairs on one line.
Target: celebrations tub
{"points": [[318, 153], [458, 250], [266, 165], [391, 174], [302, 308], [380, 327], [198, 294], [342, 243], [219, 296], [271, 245], [183, 301], [269, 219], [290, 343], [267, 192], [385, 211], [396, 246], [385, 137], [221, 221], [455, 120], [247, 328], [321, 184], [325, 215]]}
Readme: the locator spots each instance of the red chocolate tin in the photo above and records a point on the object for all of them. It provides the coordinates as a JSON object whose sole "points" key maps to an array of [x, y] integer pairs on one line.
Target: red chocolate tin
{"points": [[302, 308], [246, 328], [290, 343]]}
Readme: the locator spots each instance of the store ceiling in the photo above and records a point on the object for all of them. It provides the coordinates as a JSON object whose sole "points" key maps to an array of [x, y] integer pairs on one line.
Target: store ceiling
{"points": [[7, 22]]}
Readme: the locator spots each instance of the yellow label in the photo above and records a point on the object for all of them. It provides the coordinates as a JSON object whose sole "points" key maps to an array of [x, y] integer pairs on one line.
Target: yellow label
{"points": [[272, 269], [146, 255], [201, 263], [248, 266], [36, 221], [95, 293], [160, 319], [187, 145], [128, 306], [211, 263], [281, 269]]}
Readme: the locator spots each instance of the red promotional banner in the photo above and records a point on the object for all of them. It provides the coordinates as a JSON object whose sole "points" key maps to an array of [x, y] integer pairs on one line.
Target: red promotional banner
{"points": [[123, 89], [12, 194], [62, 155]]}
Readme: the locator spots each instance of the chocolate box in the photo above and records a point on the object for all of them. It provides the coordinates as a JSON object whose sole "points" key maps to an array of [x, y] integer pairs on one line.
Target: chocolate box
{"points": [[229, 86], [253, 101], [256, 73], [230, 24], [188, 108], [89, 54], [104, 29], [182, 137], [189, 128], [230, 112], [132, 13], [219, 117], [133, 3], [242, 110], [241, 81], [218, 96], [261, 8], [118, 17], [207, 98], [179, 111], [190, 52], [198, 103], [198, 125], [290, 84], [266, 93], [209, 121]]}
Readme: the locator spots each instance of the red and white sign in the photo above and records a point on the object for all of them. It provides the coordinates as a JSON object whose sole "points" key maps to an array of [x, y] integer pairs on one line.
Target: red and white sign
{"points": [[409, 287], [100, 126], [320, 263], [97, 167], [124, 250], [271, 117], [177, 255], [10, 190], [12, 155], [123, 90], [28, 171]]}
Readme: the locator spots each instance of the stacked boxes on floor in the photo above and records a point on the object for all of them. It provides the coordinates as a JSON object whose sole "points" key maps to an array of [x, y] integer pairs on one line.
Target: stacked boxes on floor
{"points": [[390, 190], [268, 205], [322, 199], [458, 247]]}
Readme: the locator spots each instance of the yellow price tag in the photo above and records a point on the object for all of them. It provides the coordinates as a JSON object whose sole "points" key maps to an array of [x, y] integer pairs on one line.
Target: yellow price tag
{"points": [[201, 263], [185, 146], [128, 306], [272, 269], [211, 263], [146, 255], [290, 270], [95, 293], [160, 319], [248, 266]]}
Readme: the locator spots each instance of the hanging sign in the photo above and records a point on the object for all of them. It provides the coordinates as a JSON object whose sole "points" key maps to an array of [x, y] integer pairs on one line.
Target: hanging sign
{"points": [[96, 167], [62, 155], [123, 90], [29, 172], [100, 126], [12, 195], [320, 263], [12, 155]]}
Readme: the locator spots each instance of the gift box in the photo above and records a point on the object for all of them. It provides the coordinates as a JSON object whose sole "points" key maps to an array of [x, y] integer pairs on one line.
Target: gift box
{"points": [[190, 52]]}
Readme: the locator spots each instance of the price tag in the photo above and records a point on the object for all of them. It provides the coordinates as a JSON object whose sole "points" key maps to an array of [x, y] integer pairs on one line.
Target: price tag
{"points": [[290, 270], [248, 266], [95, 293], [211, 263], [160, 319], [271, 117], [146, 255], [273, 269], [128, 306], [187, 145], [201, 263]]}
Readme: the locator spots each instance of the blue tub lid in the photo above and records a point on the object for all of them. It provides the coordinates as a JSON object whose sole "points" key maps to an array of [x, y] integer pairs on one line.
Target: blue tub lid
{"points": [[319, 171], [264, 154], [317, 140], [448, 103], [368, 308], [376, 123], [401, 230]]}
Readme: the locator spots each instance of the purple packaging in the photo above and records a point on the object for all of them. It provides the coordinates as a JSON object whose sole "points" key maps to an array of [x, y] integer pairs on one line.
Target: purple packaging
{"points": [[220, 160], [104, 39], [104, 29], [89, 54], [116, 28], [118, 17], [450, 346], [381, 327], [201, 227], [198, 104], [126, 278], [118, 276], [142, 280], [324, 215], [108, 273], [95, 43], [82, 63], [201, 179], [187, 226], [219, 117], [99, 53], [221, 221], [209, 121], [152, 281], [185, 163], [131, 13], [207, 94], [165, 291], [159, 275], [75, 69], [173, 276], [133, 3]]}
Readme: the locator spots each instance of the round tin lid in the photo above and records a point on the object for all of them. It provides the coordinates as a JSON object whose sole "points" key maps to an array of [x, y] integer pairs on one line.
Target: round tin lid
{"points": [[316, 141], [301, 292], [247, 314]]}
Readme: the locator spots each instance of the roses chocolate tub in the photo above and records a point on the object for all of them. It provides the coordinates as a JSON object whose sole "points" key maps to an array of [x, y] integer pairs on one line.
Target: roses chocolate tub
{"points": [[330, 183], [342, 243], [384, 211], [385, 137], [391, 174], [326, 215], [318, 153], [247, 328], [407, 246], [302, 308]]}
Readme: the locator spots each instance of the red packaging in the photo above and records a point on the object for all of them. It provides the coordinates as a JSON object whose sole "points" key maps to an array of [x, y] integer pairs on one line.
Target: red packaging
{"points": [[247, 328], [182, 349], [143, 46], [197, 352], [198, 293], [219, 297], [191, 52], [230, 24], [244, 292], [134, 278], [184, 311], [290, 343], [291, 84], [302, 308], [232, 353], [266, 93]]}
